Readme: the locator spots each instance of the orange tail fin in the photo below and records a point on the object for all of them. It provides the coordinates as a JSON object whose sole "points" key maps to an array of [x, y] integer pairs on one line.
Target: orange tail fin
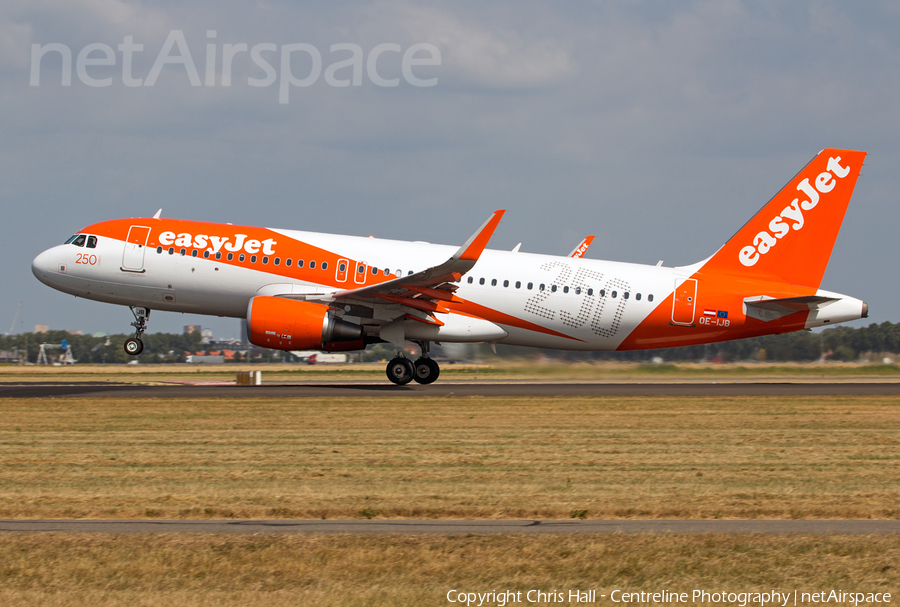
{"points": [[791, 238]]}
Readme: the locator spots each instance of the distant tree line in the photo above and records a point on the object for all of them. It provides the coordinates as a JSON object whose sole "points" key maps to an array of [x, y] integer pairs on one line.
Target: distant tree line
{"points": [[839, 343], [158, 347]]}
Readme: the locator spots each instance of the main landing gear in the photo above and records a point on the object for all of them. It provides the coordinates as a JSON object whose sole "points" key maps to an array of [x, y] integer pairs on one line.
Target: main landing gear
{"points": [[401, 370], [134, 345]]}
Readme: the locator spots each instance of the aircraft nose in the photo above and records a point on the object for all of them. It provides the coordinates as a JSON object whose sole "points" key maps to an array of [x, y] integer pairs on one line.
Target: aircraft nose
{"points": [[40, 266]]}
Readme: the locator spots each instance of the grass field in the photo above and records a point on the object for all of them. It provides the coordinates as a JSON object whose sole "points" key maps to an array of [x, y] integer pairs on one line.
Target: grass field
{"points": [[271, 571], [601, 457]]}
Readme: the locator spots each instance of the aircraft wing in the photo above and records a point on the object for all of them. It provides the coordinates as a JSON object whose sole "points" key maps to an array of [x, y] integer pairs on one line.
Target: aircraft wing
{"points": [[425, 290]]}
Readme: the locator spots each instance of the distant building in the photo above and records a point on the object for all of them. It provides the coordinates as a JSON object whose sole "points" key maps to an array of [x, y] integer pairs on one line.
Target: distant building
{"points": [[193, 329], [41, 328], [74, 332], [206, 336]]}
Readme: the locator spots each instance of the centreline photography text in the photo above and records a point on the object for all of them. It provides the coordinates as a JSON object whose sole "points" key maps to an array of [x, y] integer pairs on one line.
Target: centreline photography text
{"points": [[694, 596]]}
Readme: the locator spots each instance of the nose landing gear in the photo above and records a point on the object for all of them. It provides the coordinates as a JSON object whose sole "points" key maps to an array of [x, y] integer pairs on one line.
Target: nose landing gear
{"points": [[134, 345]]}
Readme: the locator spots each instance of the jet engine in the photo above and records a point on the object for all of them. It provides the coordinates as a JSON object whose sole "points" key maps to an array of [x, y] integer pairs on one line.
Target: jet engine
{"points": [[288, 324]]}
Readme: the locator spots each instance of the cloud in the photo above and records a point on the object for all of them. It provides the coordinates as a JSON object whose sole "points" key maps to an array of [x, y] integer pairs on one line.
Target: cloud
{"points": [[490, 57]]}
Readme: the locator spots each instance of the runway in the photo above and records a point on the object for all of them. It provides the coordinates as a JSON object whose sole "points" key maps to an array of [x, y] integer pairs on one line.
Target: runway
{"points": [[420, 527], [444, 389]]}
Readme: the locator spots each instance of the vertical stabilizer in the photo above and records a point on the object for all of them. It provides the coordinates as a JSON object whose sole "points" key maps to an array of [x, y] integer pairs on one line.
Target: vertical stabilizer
{"points": [[791, 238]]}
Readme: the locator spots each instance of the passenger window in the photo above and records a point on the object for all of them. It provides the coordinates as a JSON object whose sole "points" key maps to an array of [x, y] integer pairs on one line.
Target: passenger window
{"points": [[553, 288], [341, 267], [565, 289], [493, 282], [324, 265], [518, 284], [577, 290], [277, 261], [299, 263], [265, 259], [253, 259], [387, 271], [241, 257], [194, 253], [541, 288], [79, 240], [590, 292], [481, 281], [650, 297], [374, 271], [92, 242], [529, 285], [171, 250], [159, 249], [410, 273], [625, 294], [471, 280], [613, 294], [637, 297], [602, 292], [288, 262], [219, 255], [312, 265], [205, 254], [182, 252], [505, 283], [230, 256]]}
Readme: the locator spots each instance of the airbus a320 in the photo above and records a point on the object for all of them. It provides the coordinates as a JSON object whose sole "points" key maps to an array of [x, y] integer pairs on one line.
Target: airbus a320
{"points": [[303, 290]]}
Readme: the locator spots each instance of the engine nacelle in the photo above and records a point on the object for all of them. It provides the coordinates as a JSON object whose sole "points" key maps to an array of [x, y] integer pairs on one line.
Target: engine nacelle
{"points": [[288, 324]]}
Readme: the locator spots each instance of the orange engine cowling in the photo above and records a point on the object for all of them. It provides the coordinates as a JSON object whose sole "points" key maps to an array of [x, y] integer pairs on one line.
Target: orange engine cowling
{"points": [[288, 324]]}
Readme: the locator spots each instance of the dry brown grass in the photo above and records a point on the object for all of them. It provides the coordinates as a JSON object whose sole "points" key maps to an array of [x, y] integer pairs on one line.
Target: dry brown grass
{"points": [[612, 457], [199, 570]]}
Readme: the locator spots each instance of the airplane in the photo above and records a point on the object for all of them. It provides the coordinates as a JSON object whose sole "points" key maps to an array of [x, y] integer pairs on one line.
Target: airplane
{"points": [[312, 291]]}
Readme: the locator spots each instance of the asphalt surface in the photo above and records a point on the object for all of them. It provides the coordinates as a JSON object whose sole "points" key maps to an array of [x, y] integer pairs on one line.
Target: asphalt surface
{"points": [[419, 527], [444, 389]]}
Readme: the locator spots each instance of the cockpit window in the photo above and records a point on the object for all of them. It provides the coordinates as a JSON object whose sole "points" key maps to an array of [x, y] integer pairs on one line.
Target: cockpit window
{"points": [[92, 242], [78, 240], [71, 238]]}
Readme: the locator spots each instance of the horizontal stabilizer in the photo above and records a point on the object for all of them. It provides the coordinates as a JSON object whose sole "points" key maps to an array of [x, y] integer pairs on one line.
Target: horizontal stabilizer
{"points": [[766, 308]]}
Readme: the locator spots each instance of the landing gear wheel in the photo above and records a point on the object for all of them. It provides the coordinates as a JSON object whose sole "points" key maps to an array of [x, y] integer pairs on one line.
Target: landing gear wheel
{"points": [[400, 370], [134, 346], [426, 371]]}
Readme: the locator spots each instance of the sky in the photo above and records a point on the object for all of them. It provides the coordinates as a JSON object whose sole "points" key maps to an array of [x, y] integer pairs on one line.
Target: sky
{"points": [[660, 127]]}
